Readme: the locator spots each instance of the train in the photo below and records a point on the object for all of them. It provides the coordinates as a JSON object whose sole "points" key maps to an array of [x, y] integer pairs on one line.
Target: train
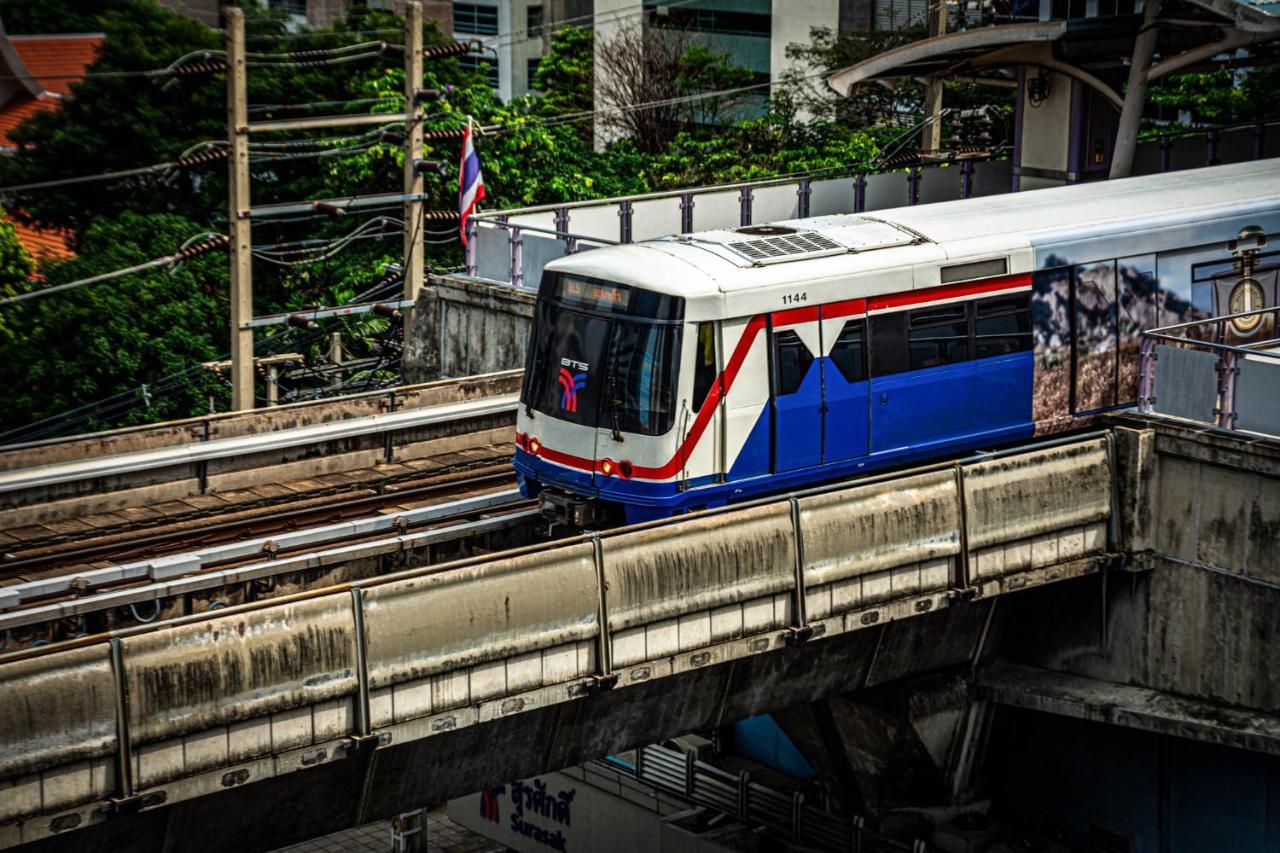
{"points": [[700, 369]]}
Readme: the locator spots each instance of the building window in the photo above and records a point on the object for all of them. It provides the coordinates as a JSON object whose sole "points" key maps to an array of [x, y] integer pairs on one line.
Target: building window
{"points": [[533, 20], [480, 65], [532, 70], [708, 20], [289, 7], [474, 19]]}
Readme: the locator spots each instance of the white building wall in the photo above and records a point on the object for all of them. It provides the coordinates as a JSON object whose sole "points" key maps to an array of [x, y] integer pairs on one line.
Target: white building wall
{"points": [[790, 23], [612, 17]]}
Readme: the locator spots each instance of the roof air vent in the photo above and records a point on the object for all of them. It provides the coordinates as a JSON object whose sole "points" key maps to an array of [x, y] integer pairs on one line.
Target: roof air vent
{"points": [[786, 247]]}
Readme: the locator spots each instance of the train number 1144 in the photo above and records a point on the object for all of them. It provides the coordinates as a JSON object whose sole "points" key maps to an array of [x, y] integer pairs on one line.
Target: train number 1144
{"points": [[793, 298]]}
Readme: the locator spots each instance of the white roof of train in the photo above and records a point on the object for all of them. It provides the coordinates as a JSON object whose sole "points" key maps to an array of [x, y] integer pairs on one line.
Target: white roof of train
{"points": [[712, 262]]}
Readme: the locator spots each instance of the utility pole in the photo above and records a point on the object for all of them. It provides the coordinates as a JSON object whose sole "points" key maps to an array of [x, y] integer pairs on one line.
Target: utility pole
{"points": [[931, 137], [238, 214], [414, 184]]}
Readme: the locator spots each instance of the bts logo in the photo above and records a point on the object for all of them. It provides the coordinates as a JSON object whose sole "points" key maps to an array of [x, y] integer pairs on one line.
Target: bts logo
{"points": [[489, 802], [570, 384]]}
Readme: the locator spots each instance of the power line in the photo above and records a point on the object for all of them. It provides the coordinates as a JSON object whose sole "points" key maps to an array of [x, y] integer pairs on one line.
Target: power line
{"points": [[204, 153], [198, 245]]}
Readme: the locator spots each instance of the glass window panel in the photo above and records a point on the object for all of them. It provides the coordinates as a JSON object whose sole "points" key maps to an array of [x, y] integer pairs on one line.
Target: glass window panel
{"points": [[938, 336], [1003, 326], [704, 364], [848, 355], [793, 360]]}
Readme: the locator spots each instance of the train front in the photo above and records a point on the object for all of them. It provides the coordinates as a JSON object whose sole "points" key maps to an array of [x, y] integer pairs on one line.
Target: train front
{"points": [[599, 406]]}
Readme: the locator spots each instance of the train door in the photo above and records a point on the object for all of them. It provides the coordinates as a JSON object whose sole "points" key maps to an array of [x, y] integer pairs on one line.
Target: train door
{"points": [[844, 384], [796, 385], [922, 380]]}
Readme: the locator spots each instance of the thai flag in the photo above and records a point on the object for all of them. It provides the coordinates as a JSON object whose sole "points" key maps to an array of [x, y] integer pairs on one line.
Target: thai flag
{"points": [[470, 181]]}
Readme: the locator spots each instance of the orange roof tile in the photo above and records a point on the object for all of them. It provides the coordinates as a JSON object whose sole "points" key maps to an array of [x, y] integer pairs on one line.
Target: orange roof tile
{"points": [[44, 243], [57, 61], [19, 110]]}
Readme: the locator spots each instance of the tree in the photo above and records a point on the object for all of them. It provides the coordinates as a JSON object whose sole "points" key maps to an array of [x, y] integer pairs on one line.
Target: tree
{"points": [[112, 338], [16, 268], [566, 75], [869, 104], [650, 79]]}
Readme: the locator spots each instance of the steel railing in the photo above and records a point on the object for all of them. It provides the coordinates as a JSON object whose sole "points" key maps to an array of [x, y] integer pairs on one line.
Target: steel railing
{"points": [[785, 817], [1206, 385]]}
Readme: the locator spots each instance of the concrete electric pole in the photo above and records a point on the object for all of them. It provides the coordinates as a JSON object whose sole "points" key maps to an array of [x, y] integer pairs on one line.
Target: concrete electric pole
{"points": [[238, 214], [931, 137], [414, 184]]}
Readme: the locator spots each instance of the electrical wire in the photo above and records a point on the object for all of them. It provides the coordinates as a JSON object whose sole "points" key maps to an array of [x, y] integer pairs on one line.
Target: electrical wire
{"points": [[197, 155], [198, 245]]}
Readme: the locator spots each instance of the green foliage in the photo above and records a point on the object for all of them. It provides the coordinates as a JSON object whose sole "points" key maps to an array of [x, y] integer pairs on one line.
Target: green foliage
{"points": [[16, 267], [110, 338], [1227, 96], [755, 150], [566, 75]]}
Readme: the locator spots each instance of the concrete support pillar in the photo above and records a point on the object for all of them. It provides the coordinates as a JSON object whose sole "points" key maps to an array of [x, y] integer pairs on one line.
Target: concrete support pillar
{"points": [[885, 745], [1135, 93]]}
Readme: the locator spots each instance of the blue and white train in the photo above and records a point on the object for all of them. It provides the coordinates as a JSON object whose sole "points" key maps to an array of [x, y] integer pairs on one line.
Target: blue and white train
{"points": [[696, 370]]}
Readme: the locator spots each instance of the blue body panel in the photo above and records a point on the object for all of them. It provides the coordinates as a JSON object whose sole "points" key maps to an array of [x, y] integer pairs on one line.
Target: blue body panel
{"points": [[799, 423], [927, 413], [847, 418]]}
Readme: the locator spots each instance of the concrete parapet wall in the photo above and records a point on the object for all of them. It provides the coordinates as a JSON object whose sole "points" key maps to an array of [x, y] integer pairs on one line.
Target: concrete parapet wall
{"points": [[463, 326], [255, 692], [254, 422], [110, 478], [1194, 614]]}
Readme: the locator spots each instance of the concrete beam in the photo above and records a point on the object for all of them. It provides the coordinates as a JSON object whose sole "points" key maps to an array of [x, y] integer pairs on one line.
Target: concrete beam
{"points": [[1125, 705]]}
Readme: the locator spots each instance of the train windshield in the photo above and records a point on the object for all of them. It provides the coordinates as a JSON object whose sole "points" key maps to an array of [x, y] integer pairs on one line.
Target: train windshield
{"points": [[604, 354]]}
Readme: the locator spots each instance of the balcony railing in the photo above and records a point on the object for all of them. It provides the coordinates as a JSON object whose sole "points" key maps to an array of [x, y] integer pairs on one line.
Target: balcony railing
{"points": [[511, 247], [1189, 372]]}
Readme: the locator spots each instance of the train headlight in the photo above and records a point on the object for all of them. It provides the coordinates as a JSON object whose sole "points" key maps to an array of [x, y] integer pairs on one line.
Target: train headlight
{"points": [[607, 467], [625, 469], [534, 446], [522, 440]]}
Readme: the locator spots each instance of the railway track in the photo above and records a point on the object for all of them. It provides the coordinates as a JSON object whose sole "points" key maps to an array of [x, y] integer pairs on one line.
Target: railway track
{"points": [[165, 536], [68, 606]]}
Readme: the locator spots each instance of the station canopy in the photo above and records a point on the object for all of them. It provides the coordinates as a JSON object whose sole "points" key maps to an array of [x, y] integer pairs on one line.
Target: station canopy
{"points": [[1189, 40]]}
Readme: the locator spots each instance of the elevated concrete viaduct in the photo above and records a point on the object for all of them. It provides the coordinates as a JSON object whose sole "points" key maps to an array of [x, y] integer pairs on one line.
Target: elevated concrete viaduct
{"points": [[1131, 555]]}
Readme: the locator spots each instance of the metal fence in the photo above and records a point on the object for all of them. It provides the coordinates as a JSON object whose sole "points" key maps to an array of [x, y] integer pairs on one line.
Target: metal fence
{"points": [[1189, 372], [511, 247], [785, 817]]}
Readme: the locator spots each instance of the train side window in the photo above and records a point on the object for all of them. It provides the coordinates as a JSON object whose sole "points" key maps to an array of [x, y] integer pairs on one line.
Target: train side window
{"points": [[888, 343], [938, 336], [704, 367], [848, 354], [793, 359], [1003, 325]]}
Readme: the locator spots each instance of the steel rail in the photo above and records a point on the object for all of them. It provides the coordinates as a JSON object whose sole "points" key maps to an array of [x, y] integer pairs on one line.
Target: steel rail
{"points": [[214, 579], [162, 567], [222, 448]]}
